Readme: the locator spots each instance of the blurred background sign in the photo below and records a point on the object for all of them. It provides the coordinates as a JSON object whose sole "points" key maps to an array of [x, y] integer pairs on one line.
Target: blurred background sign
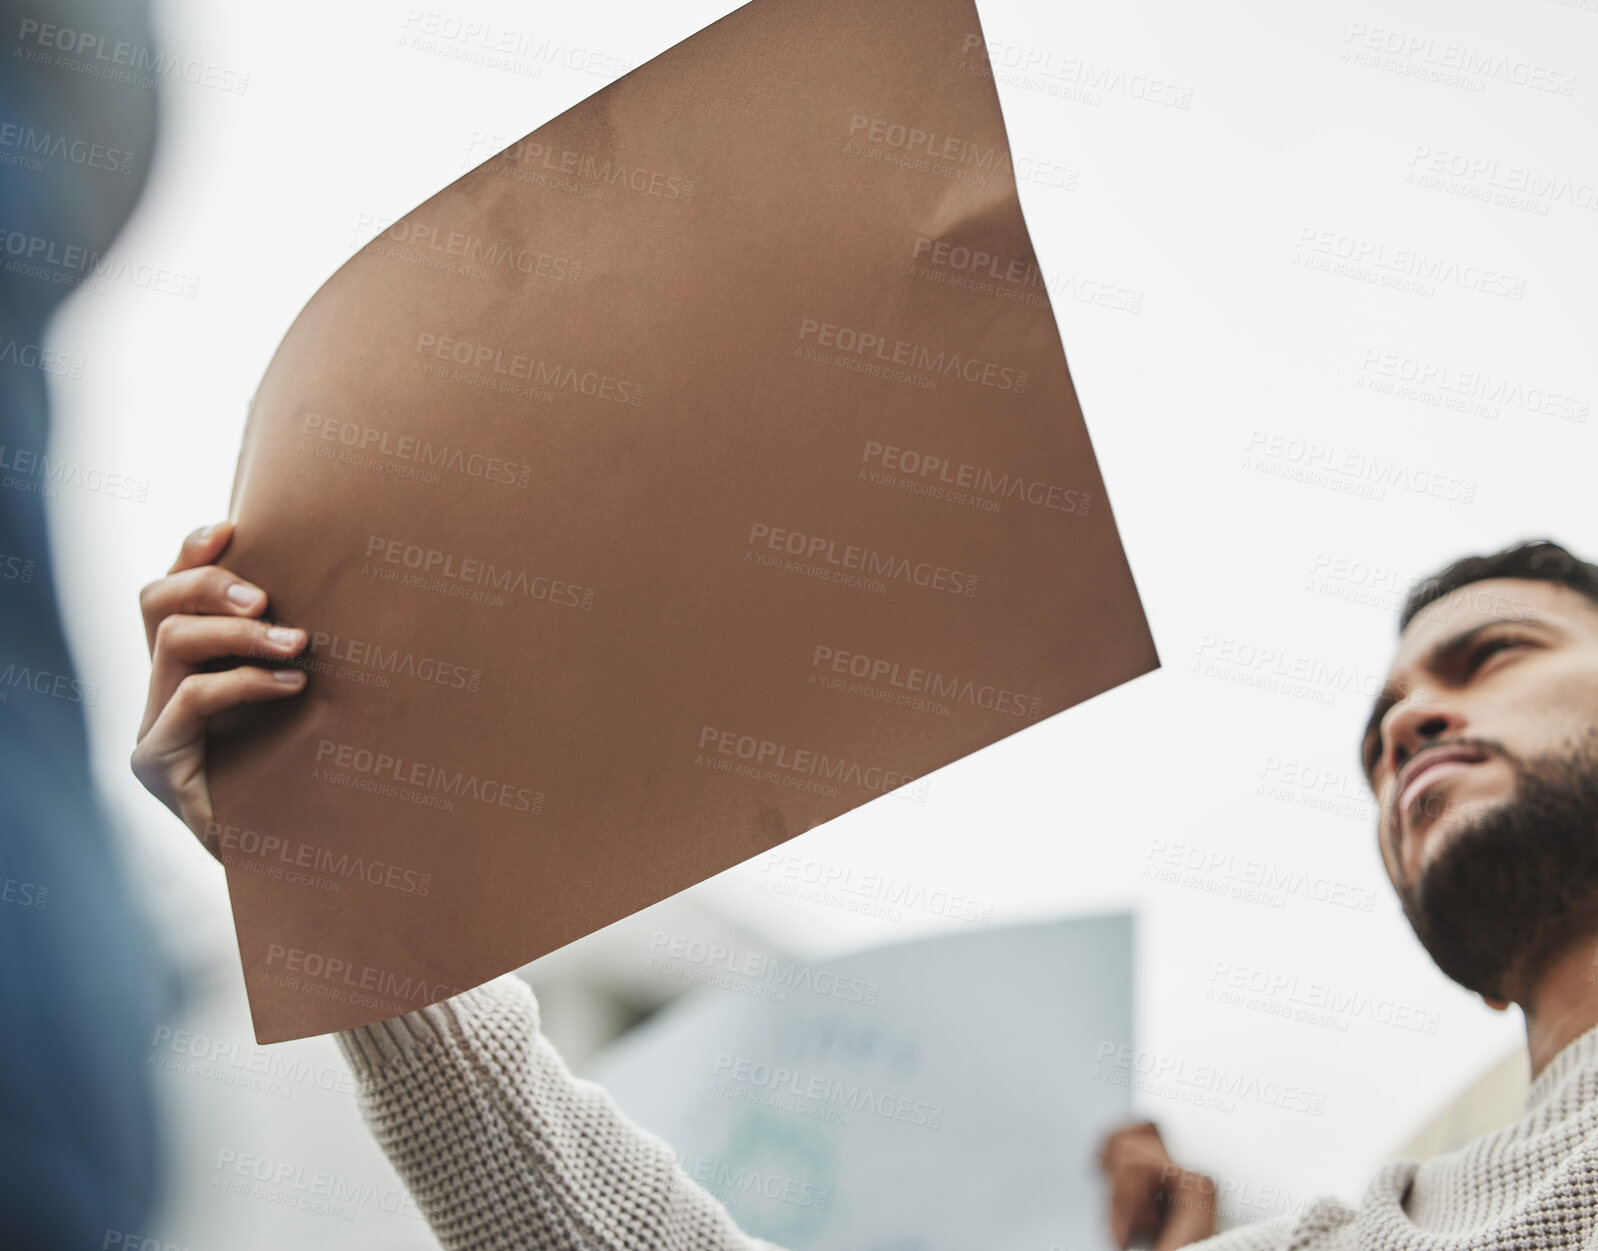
{"points": [[936, 1095]]}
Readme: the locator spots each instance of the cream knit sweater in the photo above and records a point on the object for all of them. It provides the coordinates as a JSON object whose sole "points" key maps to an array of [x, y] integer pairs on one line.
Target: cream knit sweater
{"points": [[505, 1150]]}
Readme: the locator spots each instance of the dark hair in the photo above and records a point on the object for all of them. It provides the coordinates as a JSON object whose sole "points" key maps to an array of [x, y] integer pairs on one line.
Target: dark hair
{"points": [[1540, 559]]}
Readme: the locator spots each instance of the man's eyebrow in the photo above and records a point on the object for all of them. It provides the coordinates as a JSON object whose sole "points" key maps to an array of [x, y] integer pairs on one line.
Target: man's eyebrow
{"points": [[1439, 655]]}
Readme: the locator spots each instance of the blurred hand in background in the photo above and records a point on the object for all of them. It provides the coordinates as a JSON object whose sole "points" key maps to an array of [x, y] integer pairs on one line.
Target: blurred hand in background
{"points": [[1152, 1199]]}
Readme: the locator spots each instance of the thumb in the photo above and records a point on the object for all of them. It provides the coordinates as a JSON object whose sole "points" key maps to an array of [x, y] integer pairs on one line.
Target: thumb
{"points": [[1190, 1211]]}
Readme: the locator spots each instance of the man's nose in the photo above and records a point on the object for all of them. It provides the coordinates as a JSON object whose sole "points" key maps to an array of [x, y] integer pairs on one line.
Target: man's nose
{"points": [[1414, 724]]}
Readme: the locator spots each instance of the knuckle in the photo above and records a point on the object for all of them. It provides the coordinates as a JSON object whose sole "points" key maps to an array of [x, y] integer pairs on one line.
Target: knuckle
{"points": [[187, 691], [165, 629], [148, 594], [145, 768]]}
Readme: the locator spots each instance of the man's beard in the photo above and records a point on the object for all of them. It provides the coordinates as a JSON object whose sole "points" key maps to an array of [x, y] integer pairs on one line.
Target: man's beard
{"points": [[1518, 884]]}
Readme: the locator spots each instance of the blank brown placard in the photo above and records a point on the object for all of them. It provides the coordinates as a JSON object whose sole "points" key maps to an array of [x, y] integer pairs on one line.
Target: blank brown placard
{"points": [[701, 467]]}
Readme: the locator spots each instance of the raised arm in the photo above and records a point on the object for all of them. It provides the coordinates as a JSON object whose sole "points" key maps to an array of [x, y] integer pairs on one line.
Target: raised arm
{"points": [[502, 1146]]}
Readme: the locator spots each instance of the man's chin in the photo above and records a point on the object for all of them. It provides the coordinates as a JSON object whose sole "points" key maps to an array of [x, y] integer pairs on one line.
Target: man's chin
{"points": [[1457, 817], [1500, 883]]}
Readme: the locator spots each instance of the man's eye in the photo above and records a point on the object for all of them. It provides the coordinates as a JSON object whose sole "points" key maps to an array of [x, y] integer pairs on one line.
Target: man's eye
{"points": [[1480, 655]]}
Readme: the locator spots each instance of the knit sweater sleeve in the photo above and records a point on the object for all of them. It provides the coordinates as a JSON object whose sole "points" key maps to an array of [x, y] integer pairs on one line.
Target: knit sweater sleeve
{"points": [[505, 1149]]}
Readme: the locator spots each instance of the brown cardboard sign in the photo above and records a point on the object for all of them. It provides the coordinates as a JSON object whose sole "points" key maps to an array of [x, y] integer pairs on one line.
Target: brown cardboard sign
{"points": [[700, 467]]}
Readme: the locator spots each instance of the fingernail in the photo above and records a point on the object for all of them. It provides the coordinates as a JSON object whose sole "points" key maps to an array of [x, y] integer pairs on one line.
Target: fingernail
{"points": [[283, 636], [244, 595], [287, 675]]}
